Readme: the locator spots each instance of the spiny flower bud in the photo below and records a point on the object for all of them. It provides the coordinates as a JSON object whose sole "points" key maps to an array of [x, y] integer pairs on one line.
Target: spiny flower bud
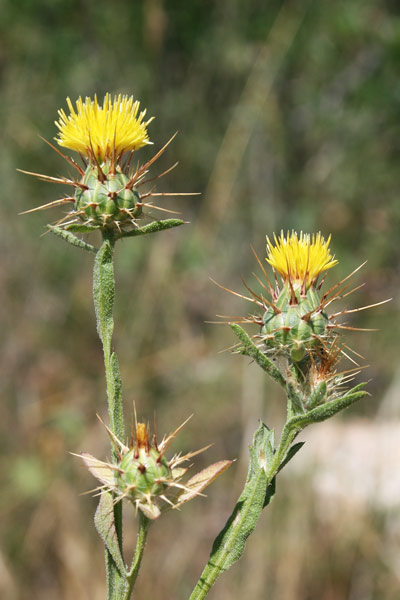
{"points": [[144, 476], [298, 325], [106, 200], [321, 382], [143, 471], [296, 322], [106, 191]]}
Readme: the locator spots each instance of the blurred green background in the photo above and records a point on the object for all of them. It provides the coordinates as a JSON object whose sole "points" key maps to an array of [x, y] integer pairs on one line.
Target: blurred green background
{"points": [[289, 117]]}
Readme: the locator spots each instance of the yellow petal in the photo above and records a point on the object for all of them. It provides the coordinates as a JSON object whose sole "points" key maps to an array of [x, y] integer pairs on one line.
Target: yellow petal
{"points": [[103, 131], [300, 258]]}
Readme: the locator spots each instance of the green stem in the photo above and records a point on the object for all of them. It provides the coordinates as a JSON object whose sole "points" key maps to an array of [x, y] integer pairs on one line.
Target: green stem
{"points": [[103, 296], [234, 533], [265, 464], [229, 544], [131, 577]]}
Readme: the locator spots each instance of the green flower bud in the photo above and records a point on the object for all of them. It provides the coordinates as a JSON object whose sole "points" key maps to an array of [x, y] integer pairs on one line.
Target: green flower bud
{"points": [[143, 470], [295, 324], [144, 476], [106, 199]]}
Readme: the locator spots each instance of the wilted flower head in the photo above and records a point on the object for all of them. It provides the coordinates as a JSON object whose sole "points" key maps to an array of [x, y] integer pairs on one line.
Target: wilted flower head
{"points": [[144, 476]]}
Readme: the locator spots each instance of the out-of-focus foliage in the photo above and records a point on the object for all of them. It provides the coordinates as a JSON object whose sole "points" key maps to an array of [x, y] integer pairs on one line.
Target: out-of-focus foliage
{"points": [[289, 117]]}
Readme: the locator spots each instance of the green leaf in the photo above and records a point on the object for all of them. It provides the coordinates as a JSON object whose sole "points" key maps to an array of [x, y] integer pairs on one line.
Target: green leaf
{"points": [[264, 447], [117, 406], [295, 405], [251, 350], [151, 228], [318, 395], [71, 238], [291, 452], [272, 486], [270, 493], [327, 410], [230, 543], [105, 526], [81, 228], [116, 583]]}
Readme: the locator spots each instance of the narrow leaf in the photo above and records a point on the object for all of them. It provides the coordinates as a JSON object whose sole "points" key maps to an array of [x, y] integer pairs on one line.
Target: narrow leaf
{"points": [[230, 543], [291, 452], [116, 583], [294, 400], [77, 228], [270, 493], [116, 405], [318, 396], [71, 238], [105, 526], [151, 228], [251, 350], [263, 444], [327, 410]]}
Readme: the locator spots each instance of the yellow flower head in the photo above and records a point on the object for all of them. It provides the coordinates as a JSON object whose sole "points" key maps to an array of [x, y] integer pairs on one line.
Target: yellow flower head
{"points": [[103, 132], [300, 259]]}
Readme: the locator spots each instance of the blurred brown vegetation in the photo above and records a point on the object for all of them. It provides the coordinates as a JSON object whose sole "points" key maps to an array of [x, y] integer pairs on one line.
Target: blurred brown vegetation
{"points": [[289, 117]]}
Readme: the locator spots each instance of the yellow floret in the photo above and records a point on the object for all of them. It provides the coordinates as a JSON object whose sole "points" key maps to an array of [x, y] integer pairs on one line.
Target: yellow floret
{"points": [[300, 259], [103, 132]]}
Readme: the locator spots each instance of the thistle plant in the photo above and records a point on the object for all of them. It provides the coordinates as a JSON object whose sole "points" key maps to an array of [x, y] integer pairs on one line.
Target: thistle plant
{"points": [[107, 199], [299, 343]]}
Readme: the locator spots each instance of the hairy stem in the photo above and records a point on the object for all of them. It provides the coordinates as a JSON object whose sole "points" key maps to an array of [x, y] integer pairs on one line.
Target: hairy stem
{"points": [[103, 296], [257, 492], [132, 574]]}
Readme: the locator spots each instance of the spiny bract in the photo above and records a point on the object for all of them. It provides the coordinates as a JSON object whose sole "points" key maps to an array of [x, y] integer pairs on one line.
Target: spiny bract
{"points": [[106, 191], [144, 476], [296, 322]]}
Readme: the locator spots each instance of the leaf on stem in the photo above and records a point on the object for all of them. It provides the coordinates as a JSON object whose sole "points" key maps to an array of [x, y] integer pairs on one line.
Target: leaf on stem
{"points": [[117, 406], [78, 228], [151, 228], [318, 396], [327, 410], [105, 526], [71, 238], [251, 350], [230, 543], [295, 405], [262, 450], [291, 452], [261, 455]]}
